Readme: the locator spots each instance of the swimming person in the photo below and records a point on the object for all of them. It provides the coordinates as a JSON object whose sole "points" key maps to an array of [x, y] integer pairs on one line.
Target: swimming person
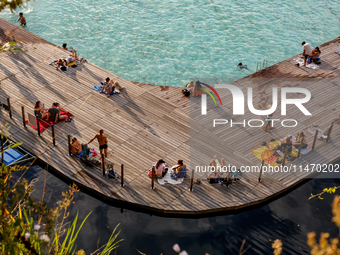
{"points": [[65, 46], [242, 67], [102, 140], [22, 19], [40, 111]]}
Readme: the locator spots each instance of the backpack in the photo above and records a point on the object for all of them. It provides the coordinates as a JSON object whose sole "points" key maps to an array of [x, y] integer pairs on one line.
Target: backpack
{"points": [[186, 92], [111, 173], [63, 68]]}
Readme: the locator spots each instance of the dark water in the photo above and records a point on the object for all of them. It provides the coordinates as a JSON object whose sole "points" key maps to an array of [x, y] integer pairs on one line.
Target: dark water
{"points": [[289, 218]]}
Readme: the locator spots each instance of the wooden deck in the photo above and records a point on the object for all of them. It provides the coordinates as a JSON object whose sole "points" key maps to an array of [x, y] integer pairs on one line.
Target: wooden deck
{"points": [[146, 122]]}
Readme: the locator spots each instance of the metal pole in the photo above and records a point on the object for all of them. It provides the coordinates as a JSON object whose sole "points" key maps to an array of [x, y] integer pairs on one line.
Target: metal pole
{"points": [[316, 136], [228, 177], [23, 116], [153, 178], [300, 147], [284, 157], [191, 181], [330, 131], [9, 107], [122, 175], [38, 124], [103, 164], [260, 175], [53, 137], [69, 144]]}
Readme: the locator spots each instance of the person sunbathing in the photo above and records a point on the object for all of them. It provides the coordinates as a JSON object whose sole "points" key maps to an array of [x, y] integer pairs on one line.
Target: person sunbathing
{"points": [[179, 170], [40, 111], [301, 139], [75, 146], [116, 85], [73, 58], [60, 63], [160, 168], [107, 87], [54, 113]]}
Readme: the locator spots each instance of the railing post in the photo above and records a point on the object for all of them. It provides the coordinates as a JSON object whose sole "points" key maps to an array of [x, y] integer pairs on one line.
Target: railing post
{"points": [[103, 164], [191, 181], [9, 107], [23, 116], [260, 174], [53, 137], [153, 178], [300, 148], [38, 124], [285, 156], [122, 175], [315, 136], [228, 177], [69, 144], [330, 131]]}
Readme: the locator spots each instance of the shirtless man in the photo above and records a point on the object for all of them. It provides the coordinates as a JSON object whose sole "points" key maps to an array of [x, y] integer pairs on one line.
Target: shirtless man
{"points": [[102, 140], [22, 19]]}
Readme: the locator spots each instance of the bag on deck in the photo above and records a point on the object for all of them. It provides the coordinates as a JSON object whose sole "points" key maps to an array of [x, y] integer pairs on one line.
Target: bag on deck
{"points": [[186, 92], [111, 173]]}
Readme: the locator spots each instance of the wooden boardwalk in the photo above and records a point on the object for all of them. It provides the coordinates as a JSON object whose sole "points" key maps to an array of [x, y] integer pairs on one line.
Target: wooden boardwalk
{"points": [[145, 123]]}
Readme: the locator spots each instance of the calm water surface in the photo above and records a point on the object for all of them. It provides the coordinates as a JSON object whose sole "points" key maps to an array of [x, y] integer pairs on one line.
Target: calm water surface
{"points": [[168, 42], [289, 218]]}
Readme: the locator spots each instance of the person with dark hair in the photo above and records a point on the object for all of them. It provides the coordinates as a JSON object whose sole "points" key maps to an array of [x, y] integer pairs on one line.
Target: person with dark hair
{"points": [[102, 140], [65, 46], [307, 51], [40, 111], [61, 64], [179, 170], [73, 58], [160, 168], [316, 55], [22, 19], [197, 91], [242, 67], [109, 86], [54, 113]]}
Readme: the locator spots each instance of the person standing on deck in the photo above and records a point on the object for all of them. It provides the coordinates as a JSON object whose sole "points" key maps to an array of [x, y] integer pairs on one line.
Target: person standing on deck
{"points": [[22, 19], [102, 140], [307, 51]]}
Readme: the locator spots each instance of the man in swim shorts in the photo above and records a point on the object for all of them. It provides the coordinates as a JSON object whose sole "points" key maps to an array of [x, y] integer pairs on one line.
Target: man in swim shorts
{"points": [[22, 19], [102, 140]]}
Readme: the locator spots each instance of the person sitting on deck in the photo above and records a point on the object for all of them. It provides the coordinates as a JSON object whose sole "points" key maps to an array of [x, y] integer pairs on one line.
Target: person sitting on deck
{"points": [[282, 147], [160, 170], [301, 139], [197, 91], [179, 170], [60, 64], [75, 146], [40, 111], [109, 86], [73, 58], [316, 55], [54, 113], [65, 46]]}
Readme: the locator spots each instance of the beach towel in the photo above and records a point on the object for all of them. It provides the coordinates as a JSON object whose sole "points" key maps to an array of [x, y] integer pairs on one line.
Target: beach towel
{"points": [[45, 124], [312, 129], [99, 87], [338, 52], [300, 61], [167, 179]]}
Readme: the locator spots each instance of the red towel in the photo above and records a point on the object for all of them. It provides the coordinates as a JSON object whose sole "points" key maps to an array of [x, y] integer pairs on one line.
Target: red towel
{"points": [[45, 124]]}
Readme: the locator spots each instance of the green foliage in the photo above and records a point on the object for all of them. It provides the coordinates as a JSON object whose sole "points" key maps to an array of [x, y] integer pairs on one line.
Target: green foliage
{"points": [[9, 47], [11, 4]]}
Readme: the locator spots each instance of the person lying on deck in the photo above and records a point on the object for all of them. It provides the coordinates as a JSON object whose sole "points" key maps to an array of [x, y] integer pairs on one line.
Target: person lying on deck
{"points": [[301, 139], [160, 168], [60, 63], [73, 57], [40, 111], [54, 113], [179, 170], [75, 146]]}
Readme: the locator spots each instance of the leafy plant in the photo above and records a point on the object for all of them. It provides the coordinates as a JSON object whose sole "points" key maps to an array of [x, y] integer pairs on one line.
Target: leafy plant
{"points": [[9, 47]]}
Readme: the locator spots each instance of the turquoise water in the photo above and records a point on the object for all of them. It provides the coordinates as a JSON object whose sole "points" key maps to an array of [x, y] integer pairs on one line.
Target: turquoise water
{"points": [[168, 42]]}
